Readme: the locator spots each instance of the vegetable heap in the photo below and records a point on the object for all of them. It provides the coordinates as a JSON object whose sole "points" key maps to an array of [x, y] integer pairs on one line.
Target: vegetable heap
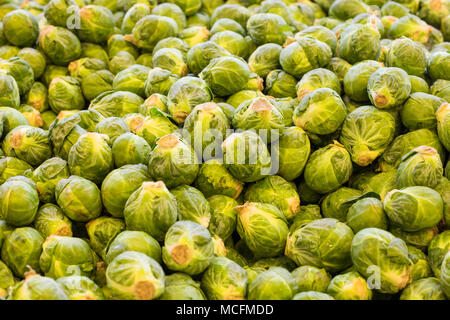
{"points": [[210, 149]]}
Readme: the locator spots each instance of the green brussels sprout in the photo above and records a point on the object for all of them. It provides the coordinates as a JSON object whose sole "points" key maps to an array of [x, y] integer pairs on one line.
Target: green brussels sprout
{"points": [[64, 256], [367, 213], [96, 83], [358, 134], [133, 121], [438, 248], [118, 43], [172, 43], [19, 202], [192, 205], [445, 273], [388, 87], [129, 148], [280, 84], [91, 157], [11, 167], [394, 9], [418, 85], [424, 289], [226, 24], [7, 51], [320, 33], [78, 198], [63, 133], [303, 55], [35, 59], [170, 59], [444, 191], [32, 115], [133, 15], [301, 13], [378, 253], [173, 161], [51, 72], [224, 280], [443, 122], [279, 261], [268, 28], [20, 28], [347, 9], [433, 12], [60, 12], [420, 239], [338, 66], [22, 248], [419, 111], [276, 191], [80, 288], [409, 55], [214, 179], [60, 45], [223, 216], [21, 71], [112, 127], [232, 42], [170, 10], [200, 55], [312, 295], [406, 208], [50, 220], [402, 144], [188, 247], [316, 79], [441, 89], [120, 61], [47, 176], [274, 284], [133, 241], [10, 91], [412, 27], [131, 79], [349, 286], [81, 68], [357, 77], [159, 81], [94, 51], [146, 59], [226, 75], [336, 204], [353, 42], [27, 143], [180, 286], [438, 65], [151, 208], [151, 29], [380, 183], [155, 100], [328, 168], [96, 24], [154, 126], [263, 227], [36, 287], [323, 100], [307, 214], [234, 255], [235, 12], [265, 59], [64, 93], [134, 276], [421, 166], [246, 156], [194, 35], [334, 252], [185, 94], [308, 278], [421, 268], [6, 279], [101, 231], [240, 97], [200, 18]]}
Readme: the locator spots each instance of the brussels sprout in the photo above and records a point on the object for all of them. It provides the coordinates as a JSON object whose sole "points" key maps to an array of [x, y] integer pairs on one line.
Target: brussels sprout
{"points": [[308, 278], [185, 94], [60, 12], [188, 247], [419, 85], [280, 84], [395, 9], [226, 24], [134, 276], [338, 237], [240, 97], [112, 127], [194, 35], [21, 249], [224, 280], [133, 241], [172, 43], [11, 167], [10, 91], [263, 227], [192, 205], [307, 214], [159, 81], [180, 286], [359, 137], [357, 77], [246, 156], [129, 148], [63, 133], [131, 79], [200, 55], [312, 295], [235, 12], [232, 42], [32, 115], [81, 68], [155, 126], [21, 71], [421, 268], [36, 287], [304, 55], [388, 87], [443, 124], [6, 279], [133, 121], [441, 89], [437, 250], [367, 213], [118, 43], [64, 93], [346, 9], [78, 198], [50, 220], [65, 256], [80, 288], [349, 286], [35, 59], [120, 61], [170, 59], [94, 51], [151, 208], [268, 28], [320, 33], [59, 44], [323, 100], [133, 15], [47, 176], [155, 100], [328, 168], [276, 191], [420, 239], [19, 202], [265, 59], [406, 208], [214, 179], [419, 111], [20, 28], [359, 42], [336, 204], [409, 55], [274, 284], [445, 273], [424, 289], [316, 79], [412, 27], [101, 231], [223, 216]]}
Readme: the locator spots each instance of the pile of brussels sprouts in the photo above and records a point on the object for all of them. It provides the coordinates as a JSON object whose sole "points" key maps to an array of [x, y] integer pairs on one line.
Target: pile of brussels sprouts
{"points": [[210, 149]]}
